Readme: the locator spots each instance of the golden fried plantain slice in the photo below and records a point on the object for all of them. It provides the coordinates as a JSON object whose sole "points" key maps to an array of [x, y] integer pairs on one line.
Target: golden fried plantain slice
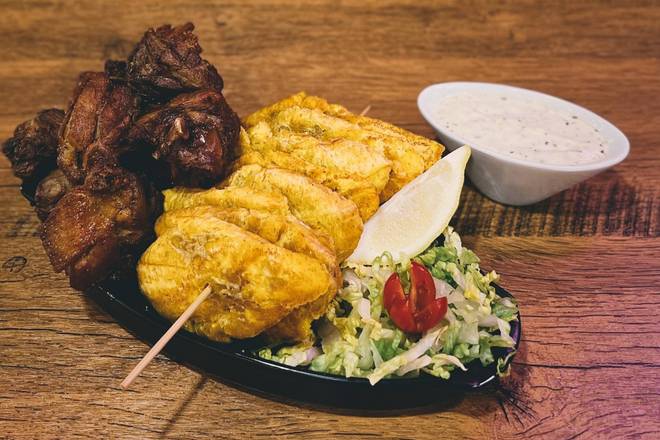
{"points": [[234, 197], [285, 231], [428, 149], [409, 154], [312, 203], [255, 283], [354, 170], [300, 99]]}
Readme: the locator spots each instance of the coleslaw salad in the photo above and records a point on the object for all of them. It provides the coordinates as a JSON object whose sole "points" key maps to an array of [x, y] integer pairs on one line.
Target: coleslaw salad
{"points": [[357, 338]]}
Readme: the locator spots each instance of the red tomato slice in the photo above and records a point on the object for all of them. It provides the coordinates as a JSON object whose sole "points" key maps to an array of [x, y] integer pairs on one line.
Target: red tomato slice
{"points": [[396, 304], [419, 310]]}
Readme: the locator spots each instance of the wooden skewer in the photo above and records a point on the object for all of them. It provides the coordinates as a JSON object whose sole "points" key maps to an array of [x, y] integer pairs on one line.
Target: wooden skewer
{"points": [[366, 110], [158, 346]]}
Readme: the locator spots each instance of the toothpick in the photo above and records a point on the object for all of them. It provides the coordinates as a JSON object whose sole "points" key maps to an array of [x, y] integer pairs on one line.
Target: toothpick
{"points": [[366, 110], [166, 337]]}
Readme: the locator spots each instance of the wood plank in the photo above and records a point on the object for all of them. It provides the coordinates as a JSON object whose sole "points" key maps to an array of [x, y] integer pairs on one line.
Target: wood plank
{"points": [[583, 264], [398, 27]]}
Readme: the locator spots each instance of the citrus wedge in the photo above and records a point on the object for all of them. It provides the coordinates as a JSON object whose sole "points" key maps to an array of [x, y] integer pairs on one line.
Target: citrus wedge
{"points": [[409, 222]]}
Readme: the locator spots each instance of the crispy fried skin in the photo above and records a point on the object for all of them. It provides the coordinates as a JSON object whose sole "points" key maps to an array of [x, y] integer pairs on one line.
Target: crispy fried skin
{"points": [[88, 230], [32, 150], [167, 62], [99, 113], [255, 283], [195, 133]]}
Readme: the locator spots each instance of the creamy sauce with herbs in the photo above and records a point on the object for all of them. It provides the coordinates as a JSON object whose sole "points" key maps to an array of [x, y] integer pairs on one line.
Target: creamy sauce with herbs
{"points": [[521, 128]]}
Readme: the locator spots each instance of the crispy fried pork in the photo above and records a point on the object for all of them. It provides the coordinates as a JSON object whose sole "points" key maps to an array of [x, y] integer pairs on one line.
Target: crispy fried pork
{"points": [[49, 191], [167, 62], [95, 182], [95, 224], [32, 150], [195, 134], [116, 70], [100, 111]]}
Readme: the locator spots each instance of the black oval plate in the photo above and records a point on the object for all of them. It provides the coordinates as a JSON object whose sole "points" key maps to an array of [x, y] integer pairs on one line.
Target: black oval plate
{"points": [[238, 363]]}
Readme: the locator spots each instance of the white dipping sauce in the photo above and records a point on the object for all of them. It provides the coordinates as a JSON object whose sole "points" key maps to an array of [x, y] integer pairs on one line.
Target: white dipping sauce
{"points": [[520, 128]]}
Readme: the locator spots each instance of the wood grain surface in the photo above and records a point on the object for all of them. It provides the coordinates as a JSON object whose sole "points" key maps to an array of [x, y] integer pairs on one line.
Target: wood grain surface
{"points": [[585, 264]]}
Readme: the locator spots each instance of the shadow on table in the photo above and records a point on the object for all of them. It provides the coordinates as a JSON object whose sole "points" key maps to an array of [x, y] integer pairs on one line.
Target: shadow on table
{"points": [[606, 204]]}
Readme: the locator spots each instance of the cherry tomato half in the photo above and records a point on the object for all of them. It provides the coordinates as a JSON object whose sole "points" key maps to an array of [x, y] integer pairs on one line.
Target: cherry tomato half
{"points": [[419, 310]]}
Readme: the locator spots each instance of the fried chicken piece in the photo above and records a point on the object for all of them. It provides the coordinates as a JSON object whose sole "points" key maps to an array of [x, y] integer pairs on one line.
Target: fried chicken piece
{"points": [[99, 112], [196, 134], [49, 191], [409, 154], [32, 150], [93, 225], [255, 283], [167, 62], [312, 203]]}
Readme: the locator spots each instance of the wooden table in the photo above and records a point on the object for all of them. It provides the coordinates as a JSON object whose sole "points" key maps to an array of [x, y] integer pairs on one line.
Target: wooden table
{"points": [[585, 265]]}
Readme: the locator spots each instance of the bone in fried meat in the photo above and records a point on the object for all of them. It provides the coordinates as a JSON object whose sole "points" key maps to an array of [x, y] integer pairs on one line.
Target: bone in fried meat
{"points": [[196, 134], [32, 150], [49, 191], [167, 62], [87, 231], [99, 112]]}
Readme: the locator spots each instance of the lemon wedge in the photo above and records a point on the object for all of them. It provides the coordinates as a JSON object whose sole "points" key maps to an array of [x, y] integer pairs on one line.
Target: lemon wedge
{"points": [[409, 222]]}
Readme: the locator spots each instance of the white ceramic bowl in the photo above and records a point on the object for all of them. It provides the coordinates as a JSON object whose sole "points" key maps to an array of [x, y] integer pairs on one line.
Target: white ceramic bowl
{"points": [[515, 181]]}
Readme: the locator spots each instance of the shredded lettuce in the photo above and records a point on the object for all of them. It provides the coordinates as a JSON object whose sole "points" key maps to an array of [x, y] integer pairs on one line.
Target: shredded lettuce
{"points": [[356, 337]]}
